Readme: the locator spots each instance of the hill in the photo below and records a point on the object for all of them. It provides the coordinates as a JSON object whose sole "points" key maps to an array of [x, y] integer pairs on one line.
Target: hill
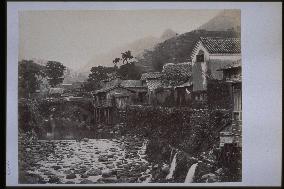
{"points": [[137, 48], [225, 20]]}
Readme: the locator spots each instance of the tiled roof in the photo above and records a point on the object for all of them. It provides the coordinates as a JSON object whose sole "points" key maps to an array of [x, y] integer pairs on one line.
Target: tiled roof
{"points": [[235, 64], [151, 75], [106, 89], [219, 45], [179, 68], [131, 83]]}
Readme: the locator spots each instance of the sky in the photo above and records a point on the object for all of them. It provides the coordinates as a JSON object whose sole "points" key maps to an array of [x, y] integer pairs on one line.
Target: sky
{"points": [[74, 37]]}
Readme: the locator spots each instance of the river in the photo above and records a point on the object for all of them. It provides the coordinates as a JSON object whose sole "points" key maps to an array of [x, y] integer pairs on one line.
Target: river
{"points": [[89, 161]]}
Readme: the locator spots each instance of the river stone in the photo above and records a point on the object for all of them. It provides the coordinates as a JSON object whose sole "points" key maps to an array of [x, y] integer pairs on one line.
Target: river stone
{"points": [[110, 166], [84, 176], [48, 173], [71, 176], [94, 172], [108, 180], [103, 159], [69, 182], [80, 171], [53, 179], [56, 167], [219, 171], [67, 172], [107, 173], [165, 169], [210, 177], [86, 181], [127, 180]]}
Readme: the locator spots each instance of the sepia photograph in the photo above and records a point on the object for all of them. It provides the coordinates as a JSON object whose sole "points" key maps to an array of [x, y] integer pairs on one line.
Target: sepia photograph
{"points": [[133, 96], [129, 97]]}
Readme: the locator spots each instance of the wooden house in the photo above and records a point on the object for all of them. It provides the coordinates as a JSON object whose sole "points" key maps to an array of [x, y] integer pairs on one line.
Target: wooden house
{"points": [[232, 76], [209, 55], [115, 96]]}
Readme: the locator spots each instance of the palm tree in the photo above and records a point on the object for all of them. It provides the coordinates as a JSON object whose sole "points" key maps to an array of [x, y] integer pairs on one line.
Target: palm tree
{"points": [[116, 61], [126, 56]]}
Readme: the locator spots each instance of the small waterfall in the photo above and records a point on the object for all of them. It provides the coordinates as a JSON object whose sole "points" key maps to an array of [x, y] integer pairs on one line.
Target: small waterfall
{"points": [[190, 173], [172, 151], [172, 168]]}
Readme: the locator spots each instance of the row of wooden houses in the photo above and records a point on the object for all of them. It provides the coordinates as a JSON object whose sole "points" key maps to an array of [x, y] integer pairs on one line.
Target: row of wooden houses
{"points": [[182, 84]]}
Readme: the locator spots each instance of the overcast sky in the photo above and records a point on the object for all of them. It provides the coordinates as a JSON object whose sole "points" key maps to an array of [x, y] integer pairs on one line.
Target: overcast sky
{"points": [[73, 37]]}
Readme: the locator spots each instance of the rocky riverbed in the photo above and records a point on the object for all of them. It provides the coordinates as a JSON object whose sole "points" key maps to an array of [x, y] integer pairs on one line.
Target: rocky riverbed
{"points": [[88, 161]]}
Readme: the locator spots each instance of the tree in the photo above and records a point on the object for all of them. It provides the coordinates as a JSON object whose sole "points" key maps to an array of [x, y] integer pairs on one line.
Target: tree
{"points": [[29, 77], [128, 69], [116, 61], [54, 71], [126, 57], [97, 75]]}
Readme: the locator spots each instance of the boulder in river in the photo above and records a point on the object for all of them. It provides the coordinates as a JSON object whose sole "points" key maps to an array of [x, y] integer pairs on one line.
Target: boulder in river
{"points": [[67, 172], [107, 173], [71, 176], [103, 158], [84, 176], [108, 180], [86, 181], [56, 167], [110, 166], [53, 179], [210, 177], [94, 172], [69, 182]]}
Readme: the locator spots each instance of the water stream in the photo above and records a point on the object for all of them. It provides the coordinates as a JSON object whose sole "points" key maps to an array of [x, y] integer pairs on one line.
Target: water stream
{"points": [[190, 173], [172, 168]]}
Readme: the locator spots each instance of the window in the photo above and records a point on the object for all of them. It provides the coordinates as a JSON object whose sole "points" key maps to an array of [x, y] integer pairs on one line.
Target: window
{"points": [[200, 56]]}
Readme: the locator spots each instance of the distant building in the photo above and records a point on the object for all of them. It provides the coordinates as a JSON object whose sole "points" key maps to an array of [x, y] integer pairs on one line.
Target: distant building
{"points": [[209, 55]]}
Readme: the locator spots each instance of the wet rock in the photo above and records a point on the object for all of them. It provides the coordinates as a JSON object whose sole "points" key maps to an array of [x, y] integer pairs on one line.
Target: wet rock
{"points": [[84, 176], [127, 180], [94, 172], [107, 173], [108, 180], [48, 173], [110, 166], [71, 176], [56, 167], [102, 159], [86, 181], [67, 172], [166, 169], [219, 171], [80, 171], [69, 182], [210, 177], [53, 179]]}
